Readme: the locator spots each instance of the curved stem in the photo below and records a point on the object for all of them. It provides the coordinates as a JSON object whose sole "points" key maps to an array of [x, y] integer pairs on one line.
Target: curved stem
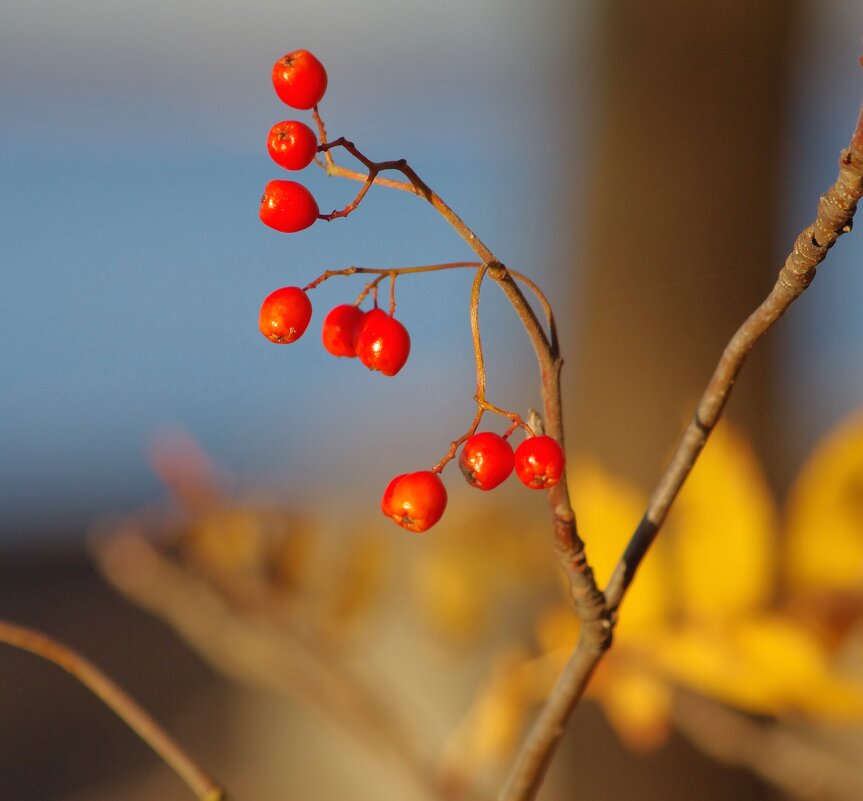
{"points": [[392, 293], [119, 701], [382, 271], [475, 334], [414, 184], [371, 286]]}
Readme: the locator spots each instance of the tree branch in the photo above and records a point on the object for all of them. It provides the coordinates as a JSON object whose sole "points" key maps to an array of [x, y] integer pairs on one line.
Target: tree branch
{"points": [[835, 212]]}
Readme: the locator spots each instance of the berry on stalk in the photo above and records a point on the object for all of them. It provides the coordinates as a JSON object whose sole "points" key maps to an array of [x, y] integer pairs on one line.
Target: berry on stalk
{"points": [[539, 462], [415, 501], [382, 343], [486, 460], [338, 330], [285, 315], [299, 79], [292, 144], [288, 207]]}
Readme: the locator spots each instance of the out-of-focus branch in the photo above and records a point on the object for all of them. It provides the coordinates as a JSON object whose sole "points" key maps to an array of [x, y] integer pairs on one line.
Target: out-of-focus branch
{"points": [[773, 751], [115, 697], [255, 651]]}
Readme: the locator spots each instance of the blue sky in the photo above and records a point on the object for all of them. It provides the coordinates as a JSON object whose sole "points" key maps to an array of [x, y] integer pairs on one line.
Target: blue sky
{"points": [[132, 159]]}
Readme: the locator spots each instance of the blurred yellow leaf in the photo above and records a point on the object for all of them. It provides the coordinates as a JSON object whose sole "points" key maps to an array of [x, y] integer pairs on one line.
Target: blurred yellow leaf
{"points": [[718, 635], [469, 573], [451, 595], [608, 510], [825, 515], [490, 730], [637, 706], [724, 526], [767, 664]]}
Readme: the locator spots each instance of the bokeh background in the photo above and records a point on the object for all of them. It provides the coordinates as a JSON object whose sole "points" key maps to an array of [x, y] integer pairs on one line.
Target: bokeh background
{"points": [[648, 163]]}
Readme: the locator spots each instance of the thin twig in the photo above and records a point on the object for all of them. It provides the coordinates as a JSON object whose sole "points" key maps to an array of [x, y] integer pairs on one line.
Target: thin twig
{"points": [[415, 185], [130, 712], [384, 271], [835, 213]]}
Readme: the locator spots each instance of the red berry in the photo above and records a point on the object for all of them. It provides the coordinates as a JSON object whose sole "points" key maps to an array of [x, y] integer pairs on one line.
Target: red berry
{"points": [[539, 462], [299, 79], [285, 315], [415, 501], [339, 327], [486, 460], [292, 144], [382, 342], [287, 206]]}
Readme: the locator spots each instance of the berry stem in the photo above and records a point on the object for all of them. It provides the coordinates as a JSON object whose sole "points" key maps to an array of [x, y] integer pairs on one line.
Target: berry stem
{"points": [[453, 265], [414, 184], [475, 334], [392, 293], [371, 286], [482, 405], [426, 268], [457, 443]]}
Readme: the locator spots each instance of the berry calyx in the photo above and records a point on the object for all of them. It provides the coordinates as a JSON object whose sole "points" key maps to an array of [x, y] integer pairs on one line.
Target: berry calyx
{"points": [[382, 343], [539, 462], [292, 144], [415, 501], [288, 207], [285, 315], [299, 79], [338, 330], [486, 460]]}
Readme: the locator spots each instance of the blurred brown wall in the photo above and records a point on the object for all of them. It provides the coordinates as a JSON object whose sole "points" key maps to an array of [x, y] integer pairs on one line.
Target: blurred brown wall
{"points": [[679, 248], [682, 196]]}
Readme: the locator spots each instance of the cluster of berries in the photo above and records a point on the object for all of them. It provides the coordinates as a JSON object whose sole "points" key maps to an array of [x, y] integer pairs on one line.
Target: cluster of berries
{"points": [[300, 81], [416, 501], [380, 341]]}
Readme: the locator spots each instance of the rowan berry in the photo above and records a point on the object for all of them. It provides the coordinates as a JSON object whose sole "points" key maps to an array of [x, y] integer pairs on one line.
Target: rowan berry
{"points": [[415, 501], [292, 144], [486, 460], [339, 328], [285, 315], [382, 343], [299, 79], [287, 206], [539, 462]]}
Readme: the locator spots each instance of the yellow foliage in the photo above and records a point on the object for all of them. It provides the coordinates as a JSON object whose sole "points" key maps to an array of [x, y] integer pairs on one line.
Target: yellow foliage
{"points": [[825, 515], [702, 611], [467, 573], [609, 509], [637, 705], [724, 525]]}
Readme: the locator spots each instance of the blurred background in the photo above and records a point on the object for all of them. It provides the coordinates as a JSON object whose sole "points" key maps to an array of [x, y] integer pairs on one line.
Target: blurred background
{"points": [[648, 163]]}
